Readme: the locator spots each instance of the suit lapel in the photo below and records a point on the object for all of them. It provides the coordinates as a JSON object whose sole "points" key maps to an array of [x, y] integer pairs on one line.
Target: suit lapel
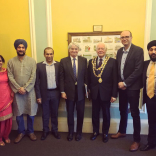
{"points": [[44, 72], [129, 54], [79, 66], [69, 64], [56, 69], [106, 67], [120, 53], [145, 71]]}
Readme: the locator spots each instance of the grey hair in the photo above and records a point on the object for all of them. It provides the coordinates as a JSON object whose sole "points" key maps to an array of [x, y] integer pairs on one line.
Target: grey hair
{"points": [[103, 44], [75, 44]]}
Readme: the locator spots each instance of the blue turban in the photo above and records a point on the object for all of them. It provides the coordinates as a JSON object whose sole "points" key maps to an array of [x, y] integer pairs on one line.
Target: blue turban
{"points": [[20, 41], [151, 44]]}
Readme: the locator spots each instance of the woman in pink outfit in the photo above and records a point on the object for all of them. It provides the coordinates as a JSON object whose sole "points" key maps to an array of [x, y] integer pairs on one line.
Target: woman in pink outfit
{"points": [[6, 99]]}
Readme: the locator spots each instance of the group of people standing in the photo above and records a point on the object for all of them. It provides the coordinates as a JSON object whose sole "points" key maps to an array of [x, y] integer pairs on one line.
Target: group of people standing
{"points": [[71, 79]]}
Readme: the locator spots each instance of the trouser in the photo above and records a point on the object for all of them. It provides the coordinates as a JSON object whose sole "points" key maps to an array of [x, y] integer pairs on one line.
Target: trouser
{"points": [[50, 107], [131, 97], [96, 105], [30, 123], [80, 105], [151, 110], [5, 128]]}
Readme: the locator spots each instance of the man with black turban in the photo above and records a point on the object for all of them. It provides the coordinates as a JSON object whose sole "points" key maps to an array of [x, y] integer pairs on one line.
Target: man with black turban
{"points": [[149, 94], [22, 75]]}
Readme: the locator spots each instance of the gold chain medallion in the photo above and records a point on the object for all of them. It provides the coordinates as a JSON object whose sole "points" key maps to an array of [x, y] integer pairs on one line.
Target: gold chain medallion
{"points": [[100, 68], [100, 80]]}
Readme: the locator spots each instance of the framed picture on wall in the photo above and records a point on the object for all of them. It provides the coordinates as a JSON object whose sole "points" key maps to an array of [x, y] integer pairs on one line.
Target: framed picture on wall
{"points": [[89, 40], [97, 28]]}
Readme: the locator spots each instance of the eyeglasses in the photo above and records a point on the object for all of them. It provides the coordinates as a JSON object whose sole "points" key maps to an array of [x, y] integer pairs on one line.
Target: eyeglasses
{"points": [[124, 37]]}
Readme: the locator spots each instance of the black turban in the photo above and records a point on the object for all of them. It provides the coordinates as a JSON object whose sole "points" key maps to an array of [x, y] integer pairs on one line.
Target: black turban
{"points": [[151, 44], [20, 41]]}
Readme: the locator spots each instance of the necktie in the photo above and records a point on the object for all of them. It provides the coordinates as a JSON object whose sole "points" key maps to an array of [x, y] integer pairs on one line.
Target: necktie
{"points": [[74, 68], [100, 62], [150, 85]]}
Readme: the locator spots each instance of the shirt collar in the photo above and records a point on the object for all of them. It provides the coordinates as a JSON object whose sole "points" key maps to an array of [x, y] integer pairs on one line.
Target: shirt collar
{"points": [[45, 62], [151, 62], [73, 57], [101, 58], [127, 49]]}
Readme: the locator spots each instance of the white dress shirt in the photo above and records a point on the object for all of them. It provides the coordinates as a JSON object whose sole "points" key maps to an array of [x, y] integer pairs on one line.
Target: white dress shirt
{"points": [[51, 79]]}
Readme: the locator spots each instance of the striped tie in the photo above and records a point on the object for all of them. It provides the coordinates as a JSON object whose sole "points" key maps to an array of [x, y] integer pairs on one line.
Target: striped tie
{"points": [[74, 68], [150, 85]]}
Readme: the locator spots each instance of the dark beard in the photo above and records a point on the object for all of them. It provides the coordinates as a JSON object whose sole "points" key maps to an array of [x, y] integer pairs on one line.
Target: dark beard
{"points": [[153, 59], [20, 54]]}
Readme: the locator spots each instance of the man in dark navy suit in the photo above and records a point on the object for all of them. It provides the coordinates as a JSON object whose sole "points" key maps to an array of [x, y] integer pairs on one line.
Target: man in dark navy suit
{"points": [[73, 78], [102, 83], [47, 92], [130, 66]]}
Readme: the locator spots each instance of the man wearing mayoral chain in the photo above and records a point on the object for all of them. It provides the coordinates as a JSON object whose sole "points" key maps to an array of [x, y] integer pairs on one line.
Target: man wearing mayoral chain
{"points": [[102, 83], [130, 66], [22, 75]]}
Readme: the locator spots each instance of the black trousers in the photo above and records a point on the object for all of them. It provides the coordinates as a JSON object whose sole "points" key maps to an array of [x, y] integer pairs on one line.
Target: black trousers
{"points": [[96, 106], [151, 110], [50, 107], [131, 97], [80, 106]]}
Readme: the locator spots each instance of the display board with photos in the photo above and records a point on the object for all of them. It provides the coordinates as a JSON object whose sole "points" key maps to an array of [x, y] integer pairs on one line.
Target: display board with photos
{"points": [[89, 40]]}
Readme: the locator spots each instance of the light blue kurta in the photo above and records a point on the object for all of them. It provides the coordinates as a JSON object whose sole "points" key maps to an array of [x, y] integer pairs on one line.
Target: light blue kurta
{"points": [[23, 74]]}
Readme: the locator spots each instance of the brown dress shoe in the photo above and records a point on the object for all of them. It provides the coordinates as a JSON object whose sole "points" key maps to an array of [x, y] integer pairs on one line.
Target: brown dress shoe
{"points": [[32, 136], [118, 135], [19, 138], [134, 147]]}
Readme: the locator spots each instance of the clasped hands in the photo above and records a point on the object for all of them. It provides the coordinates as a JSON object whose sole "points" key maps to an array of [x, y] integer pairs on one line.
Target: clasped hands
{"points": [[22, 91], [121, 86]]}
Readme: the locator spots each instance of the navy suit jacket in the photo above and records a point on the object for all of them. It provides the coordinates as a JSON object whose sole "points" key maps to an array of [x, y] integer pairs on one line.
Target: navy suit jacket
{"points": [[133, 67], [41, 80], [108, 87], [67, 82]]}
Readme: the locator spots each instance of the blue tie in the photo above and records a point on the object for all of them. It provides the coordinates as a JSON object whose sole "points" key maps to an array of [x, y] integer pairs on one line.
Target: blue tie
{"points": [[74, 68]]}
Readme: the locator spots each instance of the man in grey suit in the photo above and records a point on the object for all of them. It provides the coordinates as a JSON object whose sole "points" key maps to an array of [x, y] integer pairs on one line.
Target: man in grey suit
{"points": [[73, 77], [130, 67], [47, 92]]}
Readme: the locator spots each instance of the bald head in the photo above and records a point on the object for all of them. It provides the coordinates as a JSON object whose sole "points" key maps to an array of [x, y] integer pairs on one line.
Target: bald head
{"points": [[126, 38]]}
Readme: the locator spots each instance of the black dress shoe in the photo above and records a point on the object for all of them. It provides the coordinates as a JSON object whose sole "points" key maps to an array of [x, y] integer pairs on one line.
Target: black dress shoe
{"points": [[78, 137], [105, 138], [70, 137], [147, 147], [56, 135], [44, 135], [94, 136]]}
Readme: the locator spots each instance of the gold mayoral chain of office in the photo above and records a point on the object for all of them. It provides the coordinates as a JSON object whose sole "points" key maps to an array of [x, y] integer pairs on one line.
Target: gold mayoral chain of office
{"points": [[101, 68]]}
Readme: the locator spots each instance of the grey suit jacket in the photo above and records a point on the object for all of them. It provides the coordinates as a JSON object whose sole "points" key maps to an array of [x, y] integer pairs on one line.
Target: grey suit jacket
{"points": [[41, 80], [67, 82], [133, 67]]}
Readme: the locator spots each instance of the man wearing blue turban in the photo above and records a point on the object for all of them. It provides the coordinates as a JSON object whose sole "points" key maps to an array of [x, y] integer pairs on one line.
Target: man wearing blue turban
{"points": [[22, 76]]}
